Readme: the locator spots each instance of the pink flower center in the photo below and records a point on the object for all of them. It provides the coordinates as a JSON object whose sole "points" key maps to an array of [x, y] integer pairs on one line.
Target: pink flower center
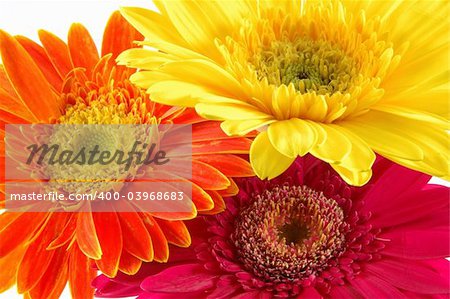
{"points": [[289, 233]]}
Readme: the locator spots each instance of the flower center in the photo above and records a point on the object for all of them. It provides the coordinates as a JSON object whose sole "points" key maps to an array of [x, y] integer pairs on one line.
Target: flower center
{"points": [[312, 66], [289, 233], [98, 112], [309, 60], [294, 233], [91, 104]]}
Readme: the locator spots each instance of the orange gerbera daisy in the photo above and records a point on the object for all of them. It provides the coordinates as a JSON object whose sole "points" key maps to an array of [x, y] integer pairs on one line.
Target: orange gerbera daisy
{"points": [[70, 83]]}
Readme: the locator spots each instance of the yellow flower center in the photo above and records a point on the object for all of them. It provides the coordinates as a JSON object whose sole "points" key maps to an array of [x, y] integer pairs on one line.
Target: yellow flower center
{"points": [[312, 66], [316, 63], [104, 100], [98, 112]]}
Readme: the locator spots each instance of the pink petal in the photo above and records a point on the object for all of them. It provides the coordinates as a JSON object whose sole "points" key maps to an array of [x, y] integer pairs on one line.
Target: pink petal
{"points": [[177, 256], [253, 295], [344, 292], [183, 278], [310, 293], [437, 220], [152, 295], [226, 286], [418, 244], [412, 206], [106, 288], [181, 255], [412, 295], [391, 183], [373, 287], [412, 276]]}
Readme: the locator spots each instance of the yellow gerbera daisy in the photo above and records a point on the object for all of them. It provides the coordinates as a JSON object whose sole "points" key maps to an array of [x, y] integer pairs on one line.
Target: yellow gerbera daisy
{"points": [[337, 79]]}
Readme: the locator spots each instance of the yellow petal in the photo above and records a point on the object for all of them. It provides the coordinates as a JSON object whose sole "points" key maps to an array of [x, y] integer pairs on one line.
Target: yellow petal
{"points": [[204, 73], [433, 164], [200, 22], [416, 114], [292, 137], [318, 111], [243, 127], [435, 143], [416, 101], [361, 157], [145, 79], [355, 168], [267, 162], [175, 93], [173, 49], [382, 135], [282, 99], [193, 24], [143, 58], [152, 25], [353, 177], [419, 145], [229, 111], [336, 146]]}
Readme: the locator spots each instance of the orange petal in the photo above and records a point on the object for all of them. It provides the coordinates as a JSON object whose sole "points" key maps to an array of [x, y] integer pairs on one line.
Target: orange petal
{"points": [[87, 236], [19, 231], [37, 258], [188, 116], [57, 51], [232, 190], [54, 279], [226, 146], [229, 165], [201, 199], [8, 118], [129, 264], [10, 265], [109, 235], [2, 187], [176, 215], [42, 61], [136, 238], [208, 177], [5, 85], [104, 66], [66, 234], [82, 48], [13, 106], [206, 130], [180, 210], [81, 273], [28, 80], [7, 218], [219, 203], [159, 241], [119, 36], [176, 232]]}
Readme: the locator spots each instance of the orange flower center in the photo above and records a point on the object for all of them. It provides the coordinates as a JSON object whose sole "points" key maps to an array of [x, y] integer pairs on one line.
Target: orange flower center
{"points": [[107, 98]]}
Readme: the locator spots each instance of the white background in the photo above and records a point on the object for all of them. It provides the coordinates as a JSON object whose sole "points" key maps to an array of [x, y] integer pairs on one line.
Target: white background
{"points": [[27, 17]]}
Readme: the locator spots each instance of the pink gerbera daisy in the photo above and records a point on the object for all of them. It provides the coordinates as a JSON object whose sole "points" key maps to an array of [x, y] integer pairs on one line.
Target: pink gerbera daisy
{"points": [[307, 234]]}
